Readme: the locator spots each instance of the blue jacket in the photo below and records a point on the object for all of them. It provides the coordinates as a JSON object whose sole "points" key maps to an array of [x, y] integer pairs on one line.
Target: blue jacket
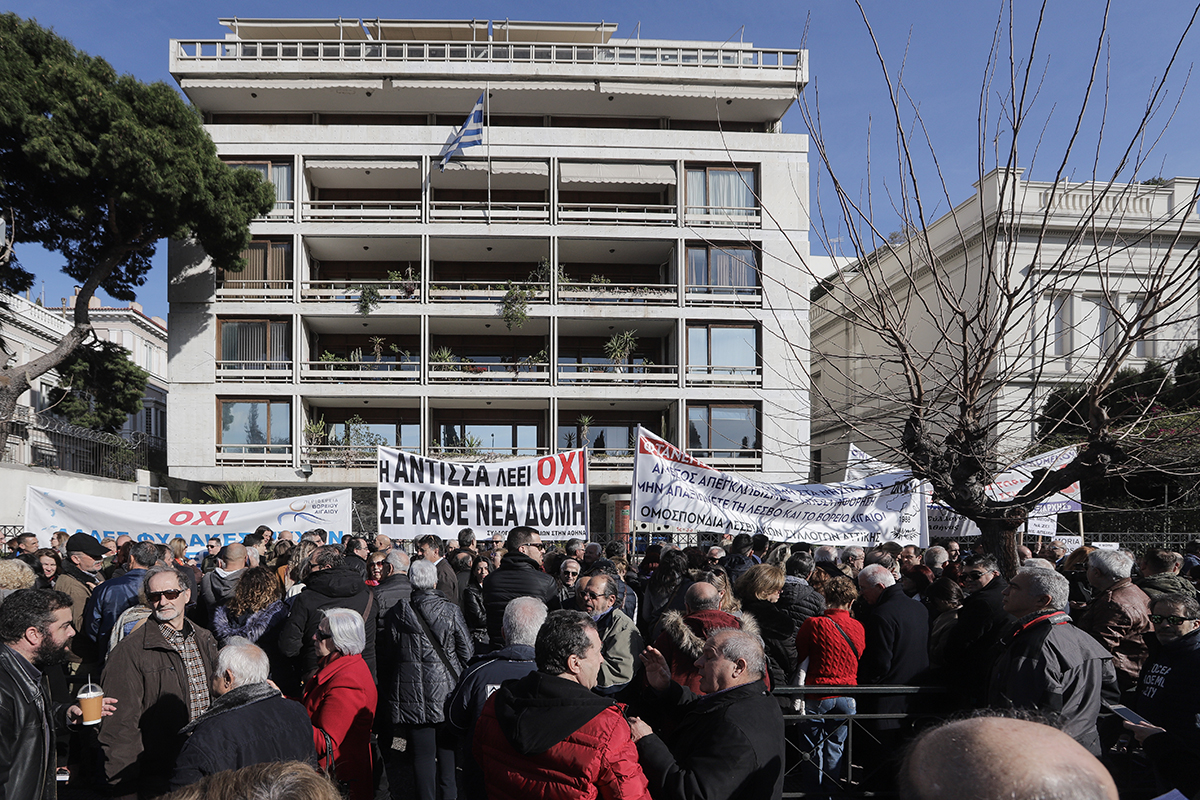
{"points": [[106, 604]]}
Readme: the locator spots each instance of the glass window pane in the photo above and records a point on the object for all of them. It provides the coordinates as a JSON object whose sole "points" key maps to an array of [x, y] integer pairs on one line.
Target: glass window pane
{"points": [[731, 191], [733, 351], [734, 428], [243, 422], [697, 194], [733, 267], [526, 440], [281, 423], [698, 428], [697, 347], [697, 258], [410, 436]]}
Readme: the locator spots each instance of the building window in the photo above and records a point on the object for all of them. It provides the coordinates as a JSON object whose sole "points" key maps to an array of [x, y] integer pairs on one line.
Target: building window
{"points": [[1059, 326], [268, 266], [255, 344], [722, 350], [495, 438], [722, 190], [278, 174], [714, 269], [255, 426], [723, 431]]}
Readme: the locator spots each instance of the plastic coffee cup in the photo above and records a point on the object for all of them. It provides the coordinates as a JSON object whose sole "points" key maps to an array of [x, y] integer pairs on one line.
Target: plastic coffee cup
{"points": [[91, 703]]}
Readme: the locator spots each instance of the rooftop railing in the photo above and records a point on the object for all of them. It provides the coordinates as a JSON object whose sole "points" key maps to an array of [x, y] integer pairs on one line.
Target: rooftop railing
{"points": [[724, 56]]}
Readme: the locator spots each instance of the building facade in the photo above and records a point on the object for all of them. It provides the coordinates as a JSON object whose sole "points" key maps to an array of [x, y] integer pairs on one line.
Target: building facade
{"points": [[620, 251], [1047, 276]]}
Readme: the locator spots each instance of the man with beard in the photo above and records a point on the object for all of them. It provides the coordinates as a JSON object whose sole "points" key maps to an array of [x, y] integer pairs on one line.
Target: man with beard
{"points": [[162, 674], [79, 577], [36, 629]]}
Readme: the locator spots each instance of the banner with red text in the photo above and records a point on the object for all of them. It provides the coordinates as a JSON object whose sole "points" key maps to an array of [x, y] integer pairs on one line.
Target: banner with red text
{"points": [[672, 489], [420, 496], [48, 511]]}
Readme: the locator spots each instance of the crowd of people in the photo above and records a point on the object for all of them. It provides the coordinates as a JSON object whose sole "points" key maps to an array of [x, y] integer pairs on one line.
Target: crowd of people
{"points": [[511, 669]]}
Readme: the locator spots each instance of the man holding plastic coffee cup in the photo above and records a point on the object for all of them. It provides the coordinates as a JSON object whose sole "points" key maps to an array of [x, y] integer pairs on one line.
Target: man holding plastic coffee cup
{"points": [[36, 630]]}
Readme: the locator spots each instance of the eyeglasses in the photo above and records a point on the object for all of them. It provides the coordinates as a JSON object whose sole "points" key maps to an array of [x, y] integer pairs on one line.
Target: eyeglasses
{"points": [[539, 545], [571, 574], [170, 594], [973, 576], [1159, 619], [321, 636], [593, 595]]}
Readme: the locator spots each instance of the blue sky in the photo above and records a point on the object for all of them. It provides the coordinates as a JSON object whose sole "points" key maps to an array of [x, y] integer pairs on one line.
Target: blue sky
{"points": [[942, 44]]}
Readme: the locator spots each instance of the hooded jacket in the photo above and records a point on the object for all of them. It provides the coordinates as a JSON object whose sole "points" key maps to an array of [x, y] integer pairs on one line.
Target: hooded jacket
{"points": [[548, 738], [1046, 663], [683, 638], [517, 576], [216, 589], [338, 587], [230, 734]]}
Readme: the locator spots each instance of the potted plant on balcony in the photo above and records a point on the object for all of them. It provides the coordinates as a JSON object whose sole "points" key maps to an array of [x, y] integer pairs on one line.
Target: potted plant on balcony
{"points": [[444, 359], [619, 348]]}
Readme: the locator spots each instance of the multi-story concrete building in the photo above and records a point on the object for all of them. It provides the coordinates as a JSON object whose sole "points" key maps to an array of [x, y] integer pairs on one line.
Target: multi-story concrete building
{"points": [[1046, 275], [387, 300]]}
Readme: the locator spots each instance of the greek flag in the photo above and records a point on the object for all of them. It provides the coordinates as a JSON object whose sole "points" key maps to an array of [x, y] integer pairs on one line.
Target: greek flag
{"points": [[469, 135]]}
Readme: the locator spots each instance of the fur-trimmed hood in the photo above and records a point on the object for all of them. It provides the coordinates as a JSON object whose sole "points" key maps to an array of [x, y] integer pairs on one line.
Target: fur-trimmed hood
{"points": [[689, 633]]}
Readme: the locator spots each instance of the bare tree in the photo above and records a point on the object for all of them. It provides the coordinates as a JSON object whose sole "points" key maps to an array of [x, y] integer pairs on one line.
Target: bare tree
{"points": [[940, 343]]}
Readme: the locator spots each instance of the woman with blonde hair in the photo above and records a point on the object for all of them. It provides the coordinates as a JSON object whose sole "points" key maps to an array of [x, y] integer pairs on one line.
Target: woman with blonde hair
{"points": [[718, 577], [295, 573], [758, 590]]}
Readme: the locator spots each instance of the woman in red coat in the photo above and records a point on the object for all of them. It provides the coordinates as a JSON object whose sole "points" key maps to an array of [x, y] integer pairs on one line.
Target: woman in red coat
{"points": [[341, 698]]}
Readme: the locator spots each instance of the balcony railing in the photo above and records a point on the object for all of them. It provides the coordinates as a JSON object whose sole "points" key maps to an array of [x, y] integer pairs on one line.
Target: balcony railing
{"points": [[723, 217], [713, 295], [624, 293], [254, 371], [476, 211], [363, 210], [408, 371], [254, 290], [617, 214], [345, 456], [725, 56], [731, 460], [282, 212], [253, 455], [705, 375], [481, 292], [349, 291], [462, 372], [627, 374]]}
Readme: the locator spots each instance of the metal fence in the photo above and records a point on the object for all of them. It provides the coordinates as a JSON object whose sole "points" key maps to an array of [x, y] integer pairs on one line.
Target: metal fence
{"points": [[42, 440]]}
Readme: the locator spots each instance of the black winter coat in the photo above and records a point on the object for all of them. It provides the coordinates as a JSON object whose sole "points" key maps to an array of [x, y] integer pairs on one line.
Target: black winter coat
{"points": [[800, 601], [779, 639], [26, 765], [418, 692], [340, 587], [475, 612], [518, 576], [897, 651], [390, 591], [728, 746], [969, 644], [232, 734]]}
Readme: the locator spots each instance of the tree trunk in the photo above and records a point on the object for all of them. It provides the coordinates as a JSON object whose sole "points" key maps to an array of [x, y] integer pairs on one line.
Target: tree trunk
{"points": [[998, 535]]}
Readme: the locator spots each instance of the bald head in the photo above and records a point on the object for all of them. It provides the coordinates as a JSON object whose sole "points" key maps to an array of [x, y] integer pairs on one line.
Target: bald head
{"points": [[233, 556], [997, 758], [702, 596]]}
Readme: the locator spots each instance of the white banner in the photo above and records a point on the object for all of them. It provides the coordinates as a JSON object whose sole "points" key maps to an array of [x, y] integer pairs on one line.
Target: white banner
{"points": [[419, 496], [671, 488], [48, 511]]}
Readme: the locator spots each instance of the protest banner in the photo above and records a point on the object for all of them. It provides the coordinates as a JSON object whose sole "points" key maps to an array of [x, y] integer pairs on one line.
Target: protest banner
{"points": [[48, 511], [672, 488], [420, 496]]}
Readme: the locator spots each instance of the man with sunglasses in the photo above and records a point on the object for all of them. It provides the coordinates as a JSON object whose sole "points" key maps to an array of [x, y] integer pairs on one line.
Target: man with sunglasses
{"points": [[980, 621], [520, 574], [161, 674], [1168, 694]]}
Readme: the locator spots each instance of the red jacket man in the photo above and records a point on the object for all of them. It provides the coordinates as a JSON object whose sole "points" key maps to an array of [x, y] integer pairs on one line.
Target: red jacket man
{"points": [[548, 737]]}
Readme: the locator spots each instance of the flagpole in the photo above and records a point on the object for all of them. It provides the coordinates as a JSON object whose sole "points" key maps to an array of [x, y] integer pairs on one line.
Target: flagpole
{"points": [[487, 124]]}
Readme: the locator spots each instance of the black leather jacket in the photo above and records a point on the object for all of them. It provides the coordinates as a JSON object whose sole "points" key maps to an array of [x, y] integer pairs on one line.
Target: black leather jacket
{"points": [[26, 767]]}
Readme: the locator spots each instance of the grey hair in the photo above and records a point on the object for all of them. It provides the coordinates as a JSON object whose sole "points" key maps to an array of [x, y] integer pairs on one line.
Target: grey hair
{"points": [[1112, 564], [398, 559], [739, 645], [826, 552], [162, 569], [1041, 563], [523, 618], [876, 575], [422, 575], [346, 629], [852, 550], [1049, 583], [245, 661], [936, 556], [720, 551]]}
